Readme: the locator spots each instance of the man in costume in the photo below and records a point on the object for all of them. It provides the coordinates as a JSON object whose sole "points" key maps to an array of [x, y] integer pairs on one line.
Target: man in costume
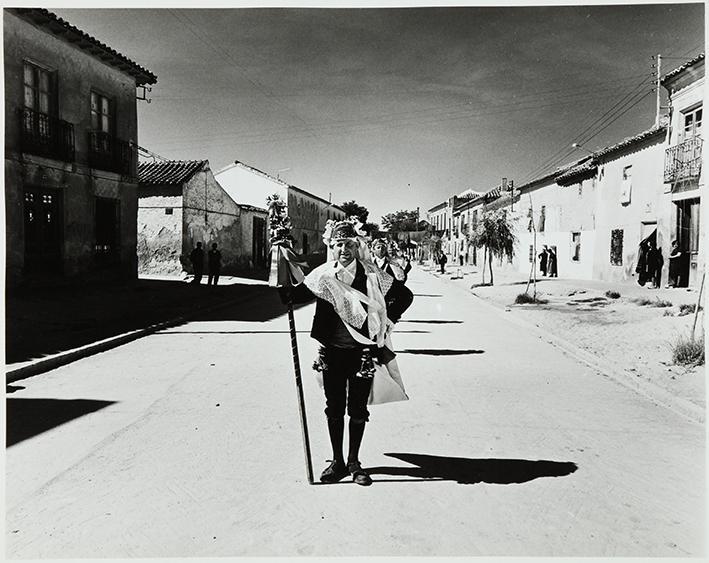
{"points": [[356, 306]]}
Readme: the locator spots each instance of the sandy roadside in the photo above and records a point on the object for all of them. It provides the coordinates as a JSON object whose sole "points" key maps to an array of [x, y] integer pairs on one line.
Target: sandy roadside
{"points": [[633, 337]]}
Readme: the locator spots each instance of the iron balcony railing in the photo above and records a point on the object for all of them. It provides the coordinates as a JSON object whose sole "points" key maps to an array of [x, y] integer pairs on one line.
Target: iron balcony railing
{"points": [[45, 135], [684, 161], [106, 152]]}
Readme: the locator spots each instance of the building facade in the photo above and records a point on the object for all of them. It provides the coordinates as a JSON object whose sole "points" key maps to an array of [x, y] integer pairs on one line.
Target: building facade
{"points": [[308, 212], [181, 204], [683, 175], [71, 152]]}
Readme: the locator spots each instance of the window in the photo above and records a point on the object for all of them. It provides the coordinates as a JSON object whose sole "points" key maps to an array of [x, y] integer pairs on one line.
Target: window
{"points": [[575, 247], [692, 123], [626, 185], [542, 218], [101, 115], [617, 247], [39, 89], [168, 211]]}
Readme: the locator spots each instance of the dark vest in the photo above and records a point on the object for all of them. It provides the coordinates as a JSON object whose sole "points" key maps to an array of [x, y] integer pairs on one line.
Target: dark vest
{"points": [[327, 322]]}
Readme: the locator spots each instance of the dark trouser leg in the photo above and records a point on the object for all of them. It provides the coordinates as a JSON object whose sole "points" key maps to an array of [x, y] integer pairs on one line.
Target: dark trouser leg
{"points": [[357, 397], [356, 429], [335, 387], [336, 429]]}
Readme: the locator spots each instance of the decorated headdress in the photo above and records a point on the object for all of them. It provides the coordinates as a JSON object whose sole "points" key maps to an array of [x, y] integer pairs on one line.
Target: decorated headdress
{"points": [[351, 228]]}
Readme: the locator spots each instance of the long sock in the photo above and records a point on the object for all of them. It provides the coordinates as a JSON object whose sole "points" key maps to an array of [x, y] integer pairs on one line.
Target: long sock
{"points": [[356, 432], [336, 429]]}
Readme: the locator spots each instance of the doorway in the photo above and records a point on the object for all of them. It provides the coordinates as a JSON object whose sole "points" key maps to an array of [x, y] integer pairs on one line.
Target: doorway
{"points": [[258, 243], [687, 235], [43, 231]]}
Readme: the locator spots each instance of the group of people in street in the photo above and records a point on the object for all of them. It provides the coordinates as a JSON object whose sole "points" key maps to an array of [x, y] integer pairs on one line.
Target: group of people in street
{"points": [[651, 261], [214, 264], [548, 262]]}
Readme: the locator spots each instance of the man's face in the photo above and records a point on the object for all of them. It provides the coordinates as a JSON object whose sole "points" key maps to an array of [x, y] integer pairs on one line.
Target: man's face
{"points": [[380, 251], [344, 251]]}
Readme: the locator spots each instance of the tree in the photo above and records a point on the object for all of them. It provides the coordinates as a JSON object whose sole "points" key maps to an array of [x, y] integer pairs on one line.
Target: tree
{"points": [[353, 209], [495, 232], [372, 230], [402, 221]]}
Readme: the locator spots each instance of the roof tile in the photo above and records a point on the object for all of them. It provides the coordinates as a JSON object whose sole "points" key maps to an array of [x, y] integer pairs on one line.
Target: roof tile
{"points": [[169, 172]]}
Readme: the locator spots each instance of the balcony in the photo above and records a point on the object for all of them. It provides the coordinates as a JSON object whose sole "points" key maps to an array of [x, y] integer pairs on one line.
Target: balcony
{"points": [[684, 161], [106, 152], [45, 135]]}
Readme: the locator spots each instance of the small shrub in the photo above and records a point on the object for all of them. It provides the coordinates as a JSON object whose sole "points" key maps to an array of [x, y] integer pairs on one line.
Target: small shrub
{"points": [[612, 294], [645, 302], [687, 309], [525, 298], [668, 313], [688, 352]]}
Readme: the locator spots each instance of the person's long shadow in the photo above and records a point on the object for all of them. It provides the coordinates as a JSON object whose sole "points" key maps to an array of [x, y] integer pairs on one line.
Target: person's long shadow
{"points": [[468, 471], [439, 352]]}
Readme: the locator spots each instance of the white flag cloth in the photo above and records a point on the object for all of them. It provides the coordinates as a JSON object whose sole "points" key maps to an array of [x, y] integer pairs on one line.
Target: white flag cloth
{"points": [[388, 385]]}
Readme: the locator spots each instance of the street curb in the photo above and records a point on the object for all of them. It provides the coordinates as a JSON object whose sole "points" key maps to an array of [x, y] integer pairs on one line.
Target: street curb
{"points": [[70, 356], [649, 390]]}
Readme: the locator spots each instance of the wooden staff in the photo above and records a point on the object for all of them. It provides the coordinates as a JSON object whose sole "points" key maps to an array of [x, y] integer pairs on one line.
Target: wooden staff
{"points": [[285, 273], [299, 387]]}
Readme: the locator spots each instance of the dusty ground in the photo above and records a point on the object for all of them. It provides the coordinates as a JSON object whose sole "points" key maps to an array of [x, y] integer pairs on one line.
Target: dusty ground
{"points": [[187, 443], [636, 338]]}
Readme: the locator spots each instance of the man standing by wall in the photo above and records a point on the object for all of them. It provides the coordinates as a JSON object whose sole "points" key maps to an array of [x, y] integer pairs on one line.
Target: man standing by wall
{"points": [[214, 263], [197, 259]]}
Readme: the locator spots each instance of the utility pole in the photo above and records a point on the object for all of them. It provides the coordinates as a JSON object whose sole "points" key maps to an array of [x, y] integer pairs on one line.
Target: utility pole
{"points": [[657, 89]]}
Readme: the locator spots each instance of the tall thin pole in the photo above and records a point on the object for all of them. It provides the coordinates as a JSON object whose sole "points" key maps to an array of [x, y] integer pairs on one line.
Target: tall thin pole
{"points": [[657, 89], [299, 387]]}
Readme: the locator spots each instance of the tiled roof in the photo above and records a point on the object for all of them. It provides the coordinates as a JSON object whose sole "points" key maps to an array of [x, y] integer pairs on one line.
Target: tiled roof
{"points": [[246, 207], [675, 72], [169, 172], [577, 173], [67, 32], [645, 135]]}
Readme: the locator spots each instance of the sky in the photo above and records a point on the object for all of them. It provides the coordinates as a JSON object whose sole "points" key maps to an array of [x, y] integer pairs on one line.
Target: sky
{"points": [[396, 108]]}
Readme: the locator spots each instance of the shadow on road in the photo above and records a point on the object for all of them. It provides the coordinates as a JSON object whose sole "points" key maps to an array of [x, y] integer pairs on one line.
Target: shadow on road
{"points": [[427, 295], [12, 388], [441, 352], [467, 471], [29, 417], [431, 321]]}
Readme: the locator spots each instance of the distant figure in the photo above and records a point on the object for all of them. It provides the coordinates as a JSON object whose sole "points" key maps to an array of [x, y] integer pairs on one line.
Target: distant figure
{"points": [[442, 259], [214, 261], [460, 258], [543, 255], [641, 268], [654, 264], [551, 263], [675, 265], [197, 259]]}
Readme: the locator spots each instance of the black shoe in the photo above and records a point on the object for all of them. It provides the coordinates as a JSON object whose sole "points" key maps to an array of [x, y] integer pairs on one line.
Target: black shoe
{"points": [[334, 472], [359, 475]]}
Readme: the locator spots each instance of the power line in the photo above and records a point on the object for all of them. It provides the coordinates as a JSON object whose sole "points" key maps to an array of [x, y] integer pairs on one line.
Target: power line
{"points": [[283, 136], [191, 26], [553, 159], [412, 120]]}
